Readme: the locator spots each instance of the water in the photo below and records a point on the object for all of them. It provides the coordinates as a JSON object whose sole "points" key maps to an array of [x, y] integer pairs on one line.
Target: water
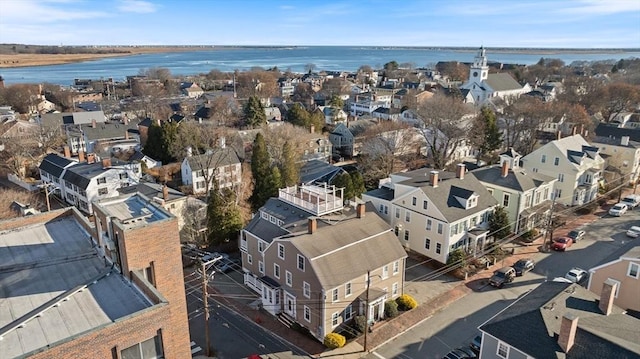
{"points": [[295, 59]]}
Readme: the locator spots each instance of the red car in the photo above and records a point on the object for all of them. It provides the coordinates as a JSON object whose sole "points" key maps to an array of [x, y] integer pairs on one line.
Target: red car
{"points": [[561, 243]]}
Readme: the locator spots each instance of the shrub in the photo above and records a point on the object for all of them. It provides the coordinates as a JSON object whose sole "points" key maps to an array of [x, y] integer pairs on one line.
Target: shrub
{"points": [[457, 256], [360, 323], [390, 309], [334, 341], [406, 302]]}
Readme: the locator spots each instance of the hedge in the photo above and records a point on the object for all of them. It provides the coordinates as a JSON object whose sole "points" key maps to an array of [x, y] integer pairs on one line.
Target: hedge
{"points": [[390, 309], [406, 302], [334, 341]]}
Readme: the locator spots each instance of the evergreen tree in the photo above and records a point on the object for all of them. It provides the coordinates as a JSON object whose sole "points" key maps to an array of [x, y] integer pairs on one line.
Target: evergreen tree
{"points": [[260, 169], [273, 183], [290, 170], [298, 115], [358, 183], [316, 119], [224, 220], [254, 114], [499, 223], [492, 134], [153, 146], [169, 136], [343, 180], [336, 102]]}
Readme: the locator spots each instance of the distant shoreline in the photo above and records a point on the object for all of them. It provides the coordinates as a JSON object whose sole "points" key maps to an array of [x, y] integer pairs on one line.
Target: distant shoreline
{"points": [[29, 60]]}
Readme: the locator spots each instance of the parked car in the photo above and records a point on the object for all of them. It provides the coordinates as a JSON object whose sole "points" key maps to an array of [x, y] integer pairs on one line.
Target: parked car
{"points": [[469, 353], [576, 235], [562, 280], [576, 275], [502, 276], [561, 243], [456, 354], [476, 343], [632, 201], [618, 209], [208, 257], [226, 264], [523, 266], [633, 232]]}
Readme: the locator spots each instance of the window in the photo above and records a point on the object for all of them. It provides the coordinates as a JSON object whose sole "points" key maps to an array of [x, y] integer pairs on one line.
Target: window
{"points": [[381, 210], [261, 266], [124, 175], [334, 295], [102, 180], [505, 200], [289, 278], [407, 217], [249, 259], [301, 262], [397, 212], [334, 319], [440, 228], [414, 201], [560, 177], [103, 191], [556, 161], [438, 248], [148, 274], [307, 314], [558, 193], [347, 289], [260, 246], [406, 235], [634, 270], [148, 349], [427, 243], [280, 251], [68, 184], [394, 289], [543, 159], [306, 289], [428, 224], [396, 267], [503, 350], [385, 272], [276, 270], [425, 205], [348, 312]]}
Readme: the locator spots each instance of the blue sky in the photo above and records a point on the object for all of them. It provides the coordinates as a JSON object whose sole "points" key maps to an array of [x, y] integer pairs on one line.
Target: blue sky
{"points": [[498, 23]]}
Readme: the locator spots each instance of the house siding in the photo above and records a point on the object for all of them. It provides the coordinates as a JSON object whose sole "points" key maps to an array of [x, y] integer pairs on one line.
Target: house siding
{"points": [[629, 290], [489, 349]]}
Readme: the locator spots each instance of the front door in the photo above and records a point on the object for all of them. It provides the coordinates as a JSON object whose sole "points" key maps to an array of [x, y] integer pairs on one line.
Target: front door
{"points": [[290, 305]]}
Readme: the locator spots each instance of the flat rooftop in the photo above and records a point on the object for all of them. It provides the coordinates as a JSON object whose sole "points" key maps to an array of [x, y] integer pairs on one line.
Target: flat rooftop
{"points": [[54, 286], [133, 210]]}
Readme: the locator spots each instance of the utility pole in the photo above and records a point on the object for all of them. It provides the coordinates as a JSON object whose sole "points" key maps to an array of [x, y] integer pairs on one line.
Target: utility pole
{"points": [[366, 308], [46, 194], [205, 295], [550, 223]]}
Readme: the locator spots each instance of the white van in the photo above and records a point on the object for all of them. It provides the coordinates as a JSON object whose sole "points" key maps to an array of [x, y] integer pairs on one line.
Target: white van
{"points": [[633, 232], [632, 201]]}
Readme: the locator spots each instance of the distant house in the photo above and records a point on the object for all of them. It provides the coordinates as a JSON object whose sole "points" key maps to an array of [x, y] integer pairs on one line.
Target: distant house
{"points": [[103, 138], [168, 198], [318, 172], [273, 114], [332, 115], [623, 156], [191, 89], [347, 140], [625, 272], [222, 165]]}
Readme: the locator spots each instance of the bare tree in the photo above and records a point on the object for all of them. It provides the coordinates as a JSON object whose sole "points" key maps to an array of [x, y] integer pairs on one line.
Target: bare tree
{"points": [[276, 137], [618, 97], [195, 222], [523, 118], [443, 127]]}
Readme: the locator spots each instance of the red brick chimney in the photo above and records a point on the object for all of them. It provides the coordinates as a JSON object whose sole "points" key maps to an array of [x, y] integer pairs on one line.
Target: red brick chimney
{"points": [[313, 225], [81, 156], [126, 134], [106, 162], [93, 123], [607, 295], [505, 168], [567, 335], [434, 178], [574, 130], [165, 192], [460, 170], [67, 152], [360, 210]]}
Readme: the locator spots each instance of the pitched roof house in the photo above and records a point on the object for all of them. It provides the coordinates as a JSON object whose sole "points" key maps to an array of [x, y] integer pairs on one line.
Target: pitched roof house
{"points": [[434, 213], [221, 164], [574, 162], [318, 263], [623, 156], [625, 271], [561, 320]]}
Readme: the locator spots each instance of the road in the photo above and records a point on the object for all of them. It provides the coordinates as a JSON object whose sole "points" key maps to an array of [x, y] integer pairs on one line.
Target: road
{"points": [[457, 324], [232, 335]]}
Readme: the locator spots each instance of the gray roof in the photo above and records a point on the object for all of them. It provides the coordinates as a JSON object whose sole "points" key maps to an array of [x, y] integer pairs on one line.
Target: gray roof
{"points": [[502, 82], [106, 131], [319, 171], [219, 158], [54, 164], [152, 190], [615, 142], [382, 193], [532, 324], [337, 258], [81, 174], [609, 130], [73, 118], [42, 263], [133, 210], [517, 179], [449, 187]]}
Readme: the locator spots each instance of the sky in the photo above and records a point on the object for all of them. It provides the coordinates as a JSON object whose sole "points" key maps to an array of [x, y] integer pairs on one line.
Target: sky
{"points": [[467, 23]]}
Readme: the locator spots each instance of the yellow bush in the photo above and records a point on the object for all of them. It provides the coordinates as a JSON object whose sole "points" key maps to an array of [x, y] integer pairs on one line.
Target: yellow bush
{"points": [[334, 341], [406, 302]]}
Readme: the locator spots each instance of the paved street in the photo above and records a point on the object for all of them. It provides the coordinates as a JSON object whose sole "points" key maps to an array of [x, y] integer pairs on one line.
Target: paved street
{"points": [[457, 324]]}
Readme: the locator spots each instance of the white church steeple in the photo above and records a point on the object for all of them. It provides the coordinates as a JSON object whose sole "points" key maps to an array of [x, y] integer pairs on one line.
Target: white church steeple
{"points": [[479, 71]]}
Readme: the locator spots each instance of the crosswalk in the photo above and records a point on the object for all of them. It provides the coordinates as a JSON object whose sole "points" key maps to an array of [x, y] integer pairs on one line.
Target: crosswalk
{"points": [[195, 349]]}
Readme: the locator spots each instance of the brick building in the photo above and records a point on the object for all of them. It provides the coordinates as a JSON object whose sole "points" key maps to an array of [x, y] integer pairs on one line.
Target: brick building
{"points": [[108, 289]]}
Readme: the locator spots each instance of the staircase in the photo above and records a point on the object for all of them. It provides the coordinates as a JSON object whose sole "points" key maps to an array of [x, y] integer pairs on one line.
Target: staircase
{"points": [[286, 320]]}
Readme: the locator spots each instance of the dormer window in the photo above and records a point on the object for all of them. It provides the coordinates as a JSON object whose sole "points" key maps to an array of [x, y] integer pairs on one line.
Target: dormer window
{"points": [[472, 202]]}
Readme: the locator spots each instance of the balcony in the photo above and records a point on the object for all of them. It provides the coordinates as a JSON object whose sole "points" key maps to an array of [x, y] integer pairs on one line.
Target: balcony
{"points": [[318, 200]]}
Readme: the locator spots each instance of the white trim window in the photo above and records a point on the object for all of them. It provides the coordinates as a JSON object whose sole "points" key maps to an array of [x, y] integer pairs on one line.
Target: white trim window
{"points": [[249, 259], [276, 270], [334, 295], [334, 319], [347, 289], [289, 278], [348, 313], [306, 289], [634, 270], [281, 251], [307, 314], [396, 267], [385, 272], [503, 350], [301, 262], [394, 289], [261, 267]]}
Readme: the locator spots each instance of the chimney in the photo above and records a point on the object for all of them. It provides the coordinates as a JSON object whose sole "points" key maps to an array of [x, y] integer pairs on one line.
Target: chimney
{"points": [[574, 130], [81, 156], [586, 134], [313, 225], [158, 122], [223, 142], [558, 135], [505, 168], [607, 295], [91, 157], [460, 170], [126, 134], [106, 162], [165, 192], [360, 210], [67, 152], [312, 129], [93, 123], [434, 178], [624, 141], [581, 128], [567, 335]]}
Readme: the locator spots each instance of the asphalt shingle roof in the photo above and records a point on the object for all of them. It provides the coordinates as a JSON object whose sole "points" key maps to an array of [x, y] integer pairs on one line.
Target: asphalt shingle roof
{"points": [[54, 164], [219, 158], [517, 179], [502, 82]]}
